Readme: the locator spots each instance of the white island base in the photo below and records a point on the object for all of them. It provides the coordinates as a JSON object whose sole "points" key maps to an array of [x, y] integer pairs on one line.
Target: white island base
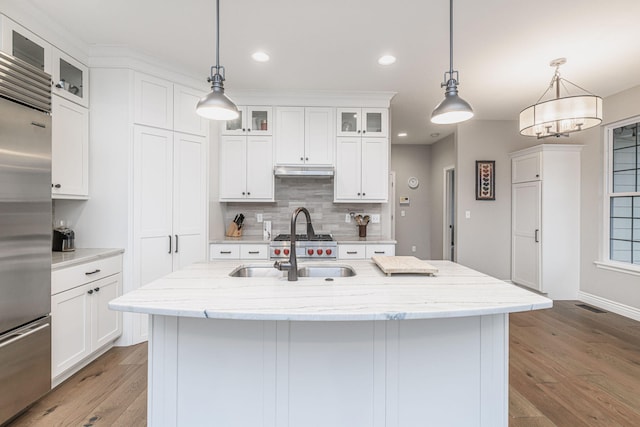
{"points": [[248, 373]]}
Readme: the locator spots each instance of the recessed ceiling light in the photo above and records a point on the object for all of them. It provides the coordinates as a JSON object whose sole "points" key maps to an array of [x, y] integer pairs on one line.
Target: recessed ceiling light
{"points": [[435, 135], [402, 134], [386, 60], [260, 57]]}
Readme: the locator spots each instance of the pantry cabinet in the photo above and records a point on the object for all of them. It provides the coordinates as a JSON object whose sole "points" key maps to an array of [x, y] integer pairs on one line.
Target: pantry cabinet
{"points": [[246, 168], [304, 136], [169, 195], [82, 323], [185, 100], [545, 219], [362, 169], [69, 150]]}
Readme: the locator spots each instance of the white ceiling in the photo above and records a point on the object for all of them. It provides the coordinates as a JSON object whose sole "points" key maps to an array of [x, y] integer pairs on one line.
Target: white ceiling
{"points": [[502, 48]]}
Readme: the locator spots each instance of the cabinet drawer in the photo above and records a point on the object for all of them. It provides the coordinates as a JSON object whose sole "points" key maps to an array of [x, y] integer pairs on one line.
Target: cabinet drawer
{"points": [[381, 250], [351, 251], [71, 277], [224, 251], [254, 251]]}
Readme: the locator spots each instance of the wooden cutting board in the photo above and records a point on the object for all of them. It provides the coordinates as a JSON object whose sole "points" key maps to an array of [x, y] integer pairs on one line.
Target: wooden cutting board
{"points": [[403, 264]]}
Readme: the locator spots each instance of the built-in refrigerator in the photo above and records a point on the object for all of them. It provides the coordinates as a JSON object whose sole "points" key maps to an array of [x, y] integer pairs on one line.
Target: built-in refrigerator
{"points": [[25, 235]]}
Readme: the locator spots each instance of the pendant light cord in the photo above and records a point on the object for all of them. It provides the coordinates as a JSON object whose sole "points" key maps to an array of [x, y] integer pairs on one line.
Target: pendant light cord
{"points": [[217, 34], [451, 38]]}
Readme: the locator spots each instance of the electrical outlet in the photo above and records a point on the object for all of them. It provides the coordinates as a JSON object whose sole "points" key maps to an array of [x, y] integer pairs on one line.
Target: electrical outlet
{"points": [[375, 219], [467, 214], [347, 218], [403, 213], [413, 248], [259, 217]]}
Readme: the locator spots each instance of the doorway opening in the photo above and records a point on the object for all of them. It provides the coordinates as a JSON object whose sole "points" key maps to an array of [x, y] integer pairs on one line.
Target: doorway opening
{"points": [[449, 215]]}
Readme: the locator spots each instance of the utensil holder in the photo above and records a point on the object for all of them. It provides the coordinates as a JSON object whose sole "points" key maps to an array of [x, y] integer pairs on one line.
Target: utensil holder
{"points": [[233, 230], [362, 230]]}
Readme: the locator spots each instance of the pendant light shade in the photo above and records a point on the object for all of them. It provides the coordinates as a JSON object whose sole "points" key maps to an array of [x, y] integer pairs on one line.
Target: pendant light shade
{"points": [[216, 105], [561, 116], [452, 109]]}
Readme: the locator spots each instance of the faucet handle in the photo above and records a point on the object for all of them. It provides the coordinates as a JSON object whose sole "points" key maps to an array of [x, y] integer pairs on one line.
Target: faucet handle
{"points": [[282, 265]]}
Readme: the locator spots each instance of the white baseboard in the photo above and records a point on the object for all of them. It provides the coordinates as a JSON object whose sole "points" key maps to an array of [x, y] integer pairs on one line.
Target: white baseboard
{"points": [[613, 306]]}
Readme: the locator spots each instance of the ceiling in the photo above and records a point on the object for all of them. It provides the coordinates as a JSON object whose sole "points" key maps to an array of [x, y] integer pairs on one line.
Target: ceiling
{"points": [[502, 48]]}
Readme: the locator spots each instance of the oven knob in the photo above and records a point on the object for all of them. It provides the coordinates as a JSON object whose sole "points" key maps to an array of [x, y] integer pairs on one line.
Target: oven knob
{"points": [[286, 251], [310, 251], [319, 251], [328, 251], [277, 251]]}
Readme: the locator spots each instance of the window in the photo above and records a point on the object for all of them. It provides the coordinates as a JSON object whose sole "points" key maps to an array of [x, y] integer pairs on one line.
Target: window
{"points": [[623, 192]]}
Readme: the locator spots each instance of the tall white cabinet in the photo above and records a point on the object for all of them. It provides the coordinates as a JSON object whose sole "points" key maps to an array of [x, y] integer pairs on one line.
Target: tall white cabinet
{"points": [[545, 219], [149, 174]]}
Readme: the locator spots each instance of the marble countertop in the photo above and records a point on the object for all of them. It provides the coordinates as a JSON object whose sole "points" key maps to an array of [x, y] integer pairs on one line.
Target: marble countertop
{"points": [[80, 256], [207, 291]]}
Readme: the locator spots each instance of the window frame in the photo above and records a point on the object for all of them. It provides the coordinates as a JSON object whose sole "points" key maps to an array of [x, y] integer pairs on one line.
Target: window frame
{"points": [[608, 194]]}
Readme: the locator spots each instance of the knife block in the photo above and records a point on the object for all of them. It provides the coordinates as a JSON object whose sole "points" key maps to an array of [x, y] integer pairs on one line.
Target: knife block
{"points": [[233, 230]]}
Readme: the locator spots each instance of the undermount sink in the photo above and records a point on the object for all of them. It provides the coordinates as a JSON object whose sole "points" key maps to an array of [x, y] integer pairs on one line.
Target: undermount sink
{"points": [[257, 270], [314, 270], [328, 270]]}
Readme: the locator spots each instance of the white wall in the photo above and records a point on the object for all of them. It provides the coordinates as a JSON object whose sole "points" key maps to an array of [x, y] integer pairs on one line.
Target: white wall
{"points": [[618, 289], [484, 240], [413, 229]]}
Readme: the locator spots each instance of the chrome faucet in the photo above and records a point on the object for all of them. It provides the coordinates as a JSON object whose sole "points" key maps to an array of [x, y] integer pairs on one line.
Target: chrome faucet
{"points": [[291, 266]]}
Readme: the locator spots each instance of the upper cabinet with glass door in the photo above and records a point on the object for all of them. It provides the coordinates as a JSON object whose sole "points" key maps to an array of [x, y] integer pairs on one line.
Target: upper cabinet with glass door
{"points": [[363, 122], [25, 45], [252, 121], [70, 78]]}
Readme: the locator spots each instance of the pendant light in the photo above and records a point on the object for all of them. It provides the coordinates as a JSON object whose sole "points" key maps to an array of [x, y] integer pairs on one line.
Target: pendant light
{"points": [[452, 109], [561, 116], [216, 105]]}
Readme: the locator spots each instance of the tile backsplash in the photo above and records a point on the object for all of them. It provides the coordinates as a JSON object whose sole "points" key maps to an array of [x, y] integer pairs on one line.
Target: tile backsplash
{"points": [[315, 194]]}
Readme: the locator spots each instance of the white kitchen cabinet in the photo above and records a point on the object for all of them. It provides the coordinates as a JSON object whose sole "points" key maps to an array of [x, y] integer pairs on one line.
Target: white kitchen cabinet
{"points": [[304, 136], [545, 219], [363, 122], [169, 197], [69, 150], [362, 169], [365, 251], [82, 324], [186, 120], [246, 168], [153, 101], [25, 45], [244, 251], [253, 120], [70, 78]]}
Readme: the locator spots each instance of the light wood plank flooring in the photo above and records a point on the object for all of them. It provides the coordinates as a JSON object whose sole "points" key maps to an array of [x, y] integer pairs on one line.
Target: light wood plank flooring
{"points": [[568, 367]]}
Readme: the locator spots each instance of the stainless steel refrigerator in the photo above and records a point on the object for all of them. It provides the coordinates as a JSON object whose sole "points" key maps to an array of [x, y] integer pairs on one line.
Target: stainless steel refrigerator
{"points": [[25, 235]]}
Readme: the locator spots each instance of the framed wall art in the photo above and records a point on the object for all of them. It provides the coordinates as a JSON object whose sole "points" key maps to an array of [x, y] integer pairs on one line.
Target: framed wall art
{"points": [[485, 179]]}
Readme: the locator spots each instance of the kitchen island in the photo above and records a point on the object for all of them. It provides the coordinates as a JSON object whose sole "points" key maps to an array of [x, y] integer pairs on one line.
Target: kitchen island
{"points": [[368, 350]]}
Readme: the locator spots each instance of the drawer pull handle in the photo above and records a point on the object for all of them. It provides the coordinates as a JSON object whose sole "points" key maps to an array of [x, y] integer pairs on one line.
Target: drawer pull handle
{"points": [[378, 252], [254, 252], [225, 252], [96, 289], [89, 273], [90, 291], [352, 252]]}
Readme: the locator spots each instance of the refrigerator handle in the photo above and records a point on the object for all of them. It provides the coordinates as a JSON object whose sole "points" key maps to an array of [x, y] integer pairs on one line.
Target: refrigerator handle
{"points": [[20, 335]]}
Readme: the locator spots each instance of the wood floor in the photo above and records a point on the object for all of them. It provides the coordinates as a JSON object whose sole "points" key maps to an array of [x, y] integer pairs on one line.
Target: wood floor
{"points": [[568, 367]]}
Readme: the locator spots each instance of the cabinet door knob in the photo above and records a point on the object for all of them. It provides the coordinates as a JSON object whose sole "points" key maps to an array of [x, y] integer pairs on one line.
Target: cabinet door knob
{"points": [[358, 131], [364, 194], [249, 130], [244, 130], [306, 158], [96, 289], [248, 193], [364, 131], [358, 194], [243, 193], [56, 185], [301, 158], [90, 291]]}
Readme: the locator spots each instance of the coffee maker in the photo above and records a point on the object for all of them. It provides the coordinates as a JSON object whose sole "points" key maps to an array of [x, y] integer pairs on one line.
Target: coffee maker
{"points": [[63, 239]]}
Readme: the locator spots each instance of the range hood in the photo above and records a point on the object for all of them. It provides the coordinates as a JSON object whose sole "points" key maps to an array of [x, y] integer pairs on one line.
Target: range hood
{"points": [[303, 171]]}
